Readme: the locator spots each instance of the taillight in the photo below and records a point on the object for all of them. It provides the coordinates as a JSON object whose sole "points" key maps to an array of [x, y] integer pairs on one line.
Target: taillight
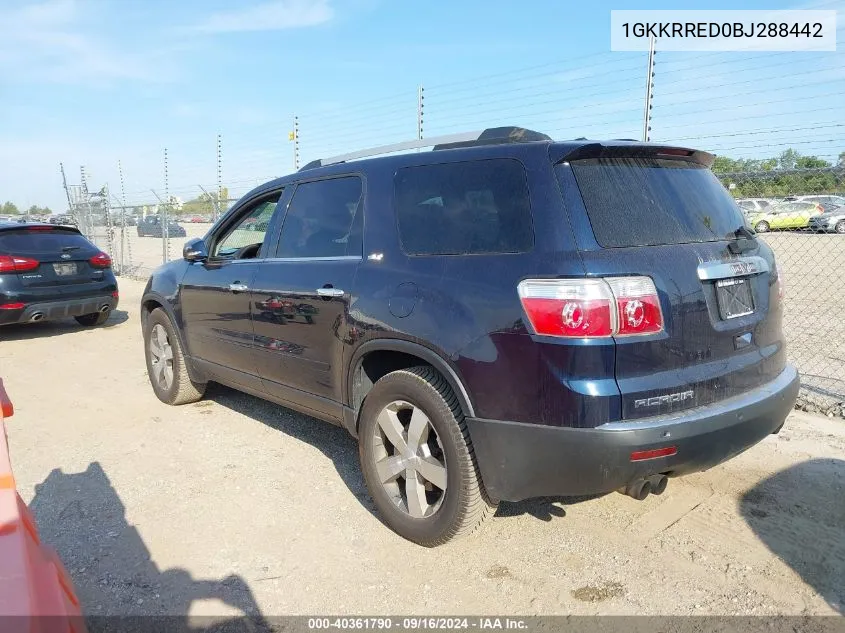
{"points": [[12, 306], [592, 308], [100, 260], [580, 308], [16, 264], [6, 408], [637, 305]]}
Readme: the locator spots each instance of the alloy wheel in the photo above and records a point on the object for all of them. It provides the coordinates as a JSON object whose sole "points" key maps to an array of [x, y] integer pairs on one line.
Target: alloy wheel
{"points": [[409, 459], [161, 357]]}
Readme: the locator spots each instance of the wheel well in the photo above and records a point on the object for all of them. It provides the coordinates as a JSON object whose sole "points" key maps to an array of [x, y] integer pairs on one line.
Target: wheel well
{"points": [[375, 365], [146, 308]]}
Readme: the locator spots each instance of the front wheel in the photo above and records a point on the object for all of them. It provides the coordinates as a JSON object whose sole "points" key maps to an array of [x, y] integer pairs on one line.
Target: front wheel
{"points": [[761, 227], [840, 226], [166, 362], [417, 458]]}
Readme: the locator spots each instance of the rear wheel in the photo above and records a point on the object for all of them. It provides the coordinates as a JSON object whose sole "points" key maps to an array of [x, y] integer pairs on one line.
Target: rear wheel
{"points": [[761, 227], [840, 226], [95, 318], [166, 362], [418, 460]]}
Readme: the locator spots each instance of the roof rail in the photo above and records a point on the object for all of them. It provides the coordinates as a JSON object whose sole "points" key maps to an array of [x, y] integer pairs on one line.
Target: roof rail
{"points": [[489, 136]]}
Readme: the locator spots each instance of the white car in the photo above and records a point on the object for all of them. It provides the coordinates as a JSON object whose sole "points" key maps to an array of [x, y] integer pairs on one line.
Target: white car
{"points": [[828, 202], [754, 205]]}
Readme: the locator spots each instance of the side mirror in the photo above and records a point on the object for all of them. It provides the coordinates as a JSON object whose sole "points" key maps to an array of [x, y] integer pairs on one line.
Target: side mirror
{"points": [[195, 250]]}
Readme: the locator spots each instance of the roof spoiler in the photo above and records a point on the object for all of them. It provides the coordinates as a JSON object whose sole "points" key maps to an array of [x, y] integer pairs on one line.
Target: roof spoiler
{"points": [[624, 149]]}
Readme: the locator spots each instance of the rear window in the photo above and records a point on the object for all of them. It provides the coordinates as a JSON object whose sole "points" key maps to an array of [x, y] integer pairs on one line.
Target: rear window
{"points": [[18, 242], [652, 201], [465, 208]]}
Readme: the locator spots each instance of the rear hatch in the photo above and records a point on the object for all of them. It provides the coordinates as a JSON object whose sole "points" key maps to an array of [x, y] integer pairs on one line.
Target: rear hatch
{"points": [[664, 215], [51, 256]]}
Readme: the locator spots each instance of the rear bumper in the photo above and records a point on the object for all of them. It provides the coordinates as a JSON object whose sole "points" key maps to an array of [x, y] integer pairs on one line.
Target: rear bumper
{"points": [[51, 310], [519, 461]]}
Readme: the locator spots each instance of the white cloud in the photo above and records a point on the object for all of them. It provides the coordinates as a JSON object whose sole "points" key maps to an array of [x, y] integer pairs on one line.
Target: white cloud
{"points": [[269, 16], [55, 41]]}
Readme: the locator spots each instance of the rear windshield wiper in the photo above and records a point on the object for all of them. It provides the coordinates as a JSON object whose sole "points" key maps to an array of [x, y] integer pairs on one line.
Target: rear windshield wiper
{"points": [[744, 240]]}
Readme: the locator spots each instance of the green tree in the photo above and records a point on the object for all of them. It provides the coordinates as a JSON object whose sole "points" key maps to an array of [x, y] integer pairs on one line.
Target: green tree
{"points": [[811, 162], [788, 159], [842, 159], [9, 208]]}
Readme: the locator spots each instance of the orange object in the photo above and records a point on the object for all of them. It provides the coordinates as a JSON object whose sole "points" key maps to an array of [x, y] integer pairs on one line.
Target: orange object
{"points": [[34, 585]]}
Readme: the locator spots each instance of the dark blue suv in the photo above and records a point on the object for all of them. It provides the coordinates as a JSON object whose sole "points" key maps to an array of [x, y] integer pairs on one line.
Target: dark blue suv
{"points": [[499, 318]]}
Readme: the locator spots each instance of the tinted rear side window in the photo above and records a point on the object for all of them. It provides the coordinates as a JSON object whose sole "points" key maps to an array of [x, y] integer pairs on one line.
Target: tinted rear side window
{"points": [[648, 202], [472, 207], [38, 241]]}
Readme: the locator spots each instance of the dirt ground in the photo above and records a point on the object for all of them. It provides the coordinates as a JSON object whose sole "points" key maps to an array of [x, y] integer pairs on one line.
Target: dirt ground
{"points": [[236, 505]]}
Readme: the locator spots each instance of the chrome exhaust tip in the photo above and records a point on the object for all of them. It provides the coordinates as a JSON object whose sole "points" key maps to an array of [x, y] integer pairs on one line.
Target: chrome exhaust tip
{"points": [[104, 308], [35, 318]]}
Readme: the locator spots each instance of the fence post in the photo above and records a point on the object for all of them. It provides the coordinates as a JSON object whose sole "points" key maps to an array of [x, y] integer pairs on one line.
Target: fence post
{"points": [[124, 239], [219, 176], [420, 99], [164, 216], [649, 88], [296, 143]]}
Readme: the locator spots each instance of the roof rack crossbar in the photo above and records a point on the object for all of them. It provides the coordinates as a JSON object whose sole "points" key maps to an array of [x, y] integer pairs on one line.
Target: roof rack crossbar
{"points": [[399, 147]]}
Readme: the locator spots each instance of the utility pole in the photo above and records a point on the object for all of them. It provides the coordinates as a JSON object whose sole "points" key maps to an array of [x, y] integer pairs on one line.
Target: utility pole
{"points": [[649, 92]]}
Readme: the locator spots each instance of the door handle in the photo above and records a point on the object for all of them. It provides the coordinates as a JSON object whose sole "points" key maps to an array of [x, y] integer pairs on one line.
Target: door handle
{"points": [[236, 287], [330, 292]]}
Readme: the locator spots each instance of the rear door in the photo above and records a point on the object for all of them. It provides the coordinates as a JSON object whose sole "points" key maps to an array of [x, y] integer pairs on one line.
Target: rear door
{"points": [[57, 261], [671, 220]]}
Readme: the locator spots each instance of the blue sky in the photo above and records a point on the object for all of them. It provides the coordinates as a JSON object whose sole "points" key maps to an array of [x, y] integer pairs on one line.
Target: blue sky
{"points": [[91, 82]]}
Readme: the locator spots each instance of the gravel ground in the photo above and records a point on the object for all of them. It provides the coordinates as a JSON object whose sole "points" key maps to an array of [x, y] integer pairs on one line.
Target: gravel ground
{"points": [[236, 505]]}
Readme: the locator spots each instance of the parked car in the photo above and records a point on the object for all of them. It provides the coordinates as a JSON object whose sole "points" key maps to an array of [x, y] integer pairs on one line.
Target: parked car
{"points": [[197, 219], [151, 226], [64, 219], [515, 317], [754, 205], [832, 221], [51, 272], [826, 201], [785, 215]]}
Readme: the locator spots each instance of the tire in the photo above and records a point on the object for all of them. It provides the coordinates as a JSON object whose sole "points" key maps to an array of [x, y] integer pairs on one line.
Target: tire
{"points": [[761, 227], [453, 511], [93, 319], [840, 226], [178, 389]]}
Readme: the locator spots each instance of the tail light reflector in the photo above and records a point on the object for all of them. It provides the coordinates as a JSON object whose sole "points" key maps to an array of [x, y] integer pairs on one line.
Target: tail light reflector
{"points": [[6, 408], [640, 456], [12, 306], [100, 260], [592, 308], [17, 264]]}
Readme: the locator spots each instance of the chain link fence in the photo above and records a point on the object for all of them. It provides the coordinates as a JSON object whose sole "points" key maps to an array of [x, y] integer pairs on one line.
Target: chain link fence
{"points": [[800, 213]]}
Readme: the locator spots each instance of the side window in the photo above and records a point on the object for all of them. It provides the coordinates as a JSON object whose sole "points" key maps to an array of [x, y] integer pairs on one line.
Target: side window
{"points": [[324, 219], [247, 231], [464, 208]]}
